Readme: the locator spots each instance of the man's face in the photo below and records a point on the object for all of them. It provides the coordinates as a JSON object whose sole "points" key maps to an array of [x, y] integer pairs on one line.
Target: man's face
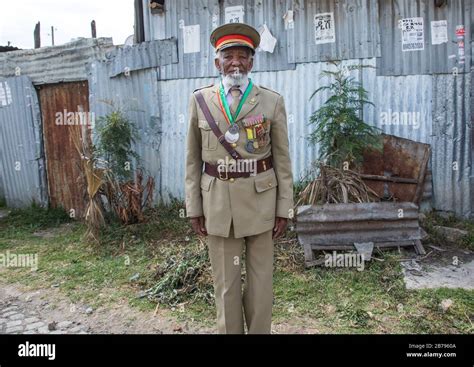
{"points": [[234, 58]]}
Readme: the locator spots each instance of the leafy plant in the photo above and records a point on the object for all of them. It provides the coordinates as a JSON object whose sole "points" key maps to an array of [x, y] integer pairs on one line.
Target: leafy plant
{"points": [[116, 136], [340, 131], [123, 186]]}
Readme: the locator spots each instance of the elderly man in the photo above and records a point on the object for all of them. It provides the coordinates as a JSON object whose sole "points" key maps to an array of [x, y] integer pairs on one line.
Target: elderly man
{"points": [[239, 188]]}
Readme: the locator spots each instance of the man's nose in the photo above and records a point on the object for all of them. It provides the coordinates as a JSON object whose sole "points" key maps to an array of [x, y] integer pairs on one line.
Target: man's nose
{"points": [[236, 62]]}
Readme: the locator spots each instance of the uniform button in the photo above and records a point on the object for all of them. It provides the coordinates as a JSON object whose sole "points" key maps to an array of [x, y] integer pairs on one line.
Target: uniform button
{"points": [[231, 179], [270, 184], [234, 145]]}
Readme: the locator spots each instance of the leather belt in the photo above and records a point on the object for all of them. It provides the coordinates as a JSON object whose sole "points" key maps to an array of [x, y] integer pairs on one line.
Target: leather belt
{"points": [[221, 172]]}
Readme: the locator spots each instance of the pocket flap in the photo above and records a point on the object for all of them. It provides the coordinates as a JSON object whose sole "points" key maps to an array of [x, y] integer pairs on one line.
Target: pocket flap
{"points": [[266, 183], [206, 181]]}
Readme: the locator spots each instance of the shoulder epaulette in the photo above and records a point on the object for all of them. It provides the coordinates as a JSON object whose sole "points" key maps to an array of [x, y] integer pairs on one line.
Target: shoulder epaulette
{"points": [[271, 90], [207, 86]]}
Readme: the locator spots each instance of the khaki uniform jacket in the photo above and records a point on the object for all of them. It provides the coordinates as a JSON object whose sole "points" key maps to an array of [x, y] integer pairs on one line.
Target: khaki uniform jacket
{"points": [[250, 203]]}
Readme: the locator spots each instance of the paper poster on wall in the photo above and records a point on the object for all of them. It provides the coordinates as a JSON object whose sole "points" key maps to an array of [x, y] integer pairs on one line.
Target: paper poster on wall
{"points": [[460, 35], [439, 32], [234, 14], [267, 41], [413, 37], [192, 39], [324, 28], [289, 20]]}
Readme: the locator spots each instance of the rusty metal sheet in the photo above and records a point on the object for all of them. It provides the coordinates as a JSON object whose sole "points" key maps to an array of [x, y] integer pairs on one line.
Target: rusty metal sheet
{"points": [[400, 158], [66, 184], [344, 224]]}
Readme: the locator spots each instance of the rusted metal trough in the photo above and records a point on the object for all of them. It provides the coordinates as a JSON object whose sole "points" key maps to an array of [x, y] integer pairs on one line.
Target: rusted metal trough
{"points": [[338, 226]]}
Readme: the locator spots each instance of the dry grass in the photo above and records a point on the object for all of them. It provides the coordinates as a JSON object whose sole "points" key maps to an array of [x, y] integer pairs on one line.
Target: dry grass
{"points": [[94, 217], [333, 185], [129, 199]]}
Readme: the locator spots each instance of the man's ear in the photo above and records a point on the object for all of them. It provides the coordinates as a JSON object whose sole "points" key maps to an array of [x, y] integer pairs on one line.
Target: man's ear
{"points": [[217, 64], [251, 63]]}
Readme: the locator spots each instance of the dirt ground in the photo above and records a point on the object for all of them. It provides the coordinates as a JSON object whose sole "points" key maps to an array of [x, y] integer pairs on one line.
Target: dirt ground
{"points": [[447, 266], [49, 306], [45, 309]]}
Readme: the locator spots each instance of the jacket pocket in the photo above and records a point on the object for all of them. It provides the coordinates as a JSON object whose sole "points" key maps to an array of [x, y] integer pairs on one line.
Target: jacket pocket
{"points": [[266, 195], [209, 139], [266, 182], [206, 181]]}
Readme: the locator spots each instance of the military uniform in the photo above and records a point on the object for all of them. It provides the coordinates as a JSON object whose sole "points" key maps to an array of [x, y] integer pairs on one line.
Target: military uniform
{"points": [[240, 210]]}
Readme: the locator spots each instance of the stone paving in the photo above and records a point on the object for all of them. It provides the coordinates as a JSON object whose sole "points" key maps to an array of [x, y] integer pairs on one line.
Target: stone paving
{"points": [[15, 318]]}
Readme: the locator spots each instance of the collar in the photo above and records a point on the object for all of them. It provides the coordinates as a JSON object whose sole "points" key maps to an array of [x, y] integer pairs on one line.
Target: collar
{"points": [[242, 88]]}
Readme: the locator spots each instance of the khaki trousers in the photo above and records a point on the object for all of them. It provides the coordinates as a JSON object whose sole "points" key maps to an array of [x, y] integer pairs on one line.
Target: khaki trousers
{"points": [[256, 303]]}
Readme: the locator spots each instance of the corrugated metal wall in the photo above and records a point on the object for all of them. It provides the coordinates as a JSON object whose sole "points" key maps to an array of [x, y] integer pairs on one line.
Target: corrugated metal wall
{"points": [[357, 30], [452, 146], [137, 96], [143, 56], [434, 58], [22, 168]]}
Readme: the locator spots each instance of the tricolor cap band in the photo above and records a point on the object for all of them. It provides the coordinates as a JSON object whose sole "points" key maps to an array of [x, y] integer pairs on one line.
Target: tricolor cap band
{"points": [[235, 39]]}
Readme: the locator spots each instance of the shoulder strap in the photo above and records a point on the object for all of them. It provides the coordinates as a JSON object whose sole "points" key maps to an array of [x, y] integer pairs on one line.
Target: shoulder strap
{"points": [[214, 127]]}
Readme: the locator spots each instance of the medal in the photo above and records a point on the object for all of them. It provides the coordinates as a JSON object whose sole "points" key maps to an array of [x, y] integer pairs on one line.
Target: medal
{"points": [[249, 146], [232, 135]]}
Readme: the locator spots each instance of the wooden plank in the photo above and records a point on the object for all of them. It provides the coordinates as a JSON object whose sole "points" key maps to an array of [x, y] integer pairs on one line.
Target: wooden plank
{"points": [[389, 179], [420, 250], [422, 176], [352, 247], [308, 253]]}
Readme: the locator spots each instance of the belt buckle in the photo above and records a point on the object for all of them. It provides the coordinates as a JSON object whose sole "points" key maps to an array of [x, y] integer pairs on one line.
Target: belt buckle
{"points": [[220, 176]]}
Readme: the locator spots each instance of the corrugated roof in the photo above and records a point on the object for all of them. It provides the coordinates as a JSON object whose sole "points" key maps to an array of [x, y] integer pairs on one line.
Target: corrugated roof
{"points": [[55, 64]]}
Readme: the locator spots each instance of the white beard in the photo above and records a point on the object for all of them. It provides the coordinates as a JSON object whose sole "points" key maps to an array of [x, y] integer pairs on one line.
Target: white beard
{"points": [[232, 79]]}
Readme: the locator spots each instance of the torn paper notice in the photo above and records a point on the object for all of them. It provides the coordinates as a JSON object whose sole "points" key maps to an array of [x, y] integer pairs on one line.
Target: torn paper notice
{"points": [[413, 38], [5, 94], [460, 34], [460, 31], [288, 19], [267, 41], [324, 28], [234, 14], [192, 40], [439, 32]]}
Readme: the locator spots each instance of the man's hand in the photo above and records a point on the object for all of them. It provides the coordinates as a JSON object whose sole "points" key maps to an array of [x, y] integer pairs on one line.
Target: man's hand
{"points": [[280, 227], [199, 226]]}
